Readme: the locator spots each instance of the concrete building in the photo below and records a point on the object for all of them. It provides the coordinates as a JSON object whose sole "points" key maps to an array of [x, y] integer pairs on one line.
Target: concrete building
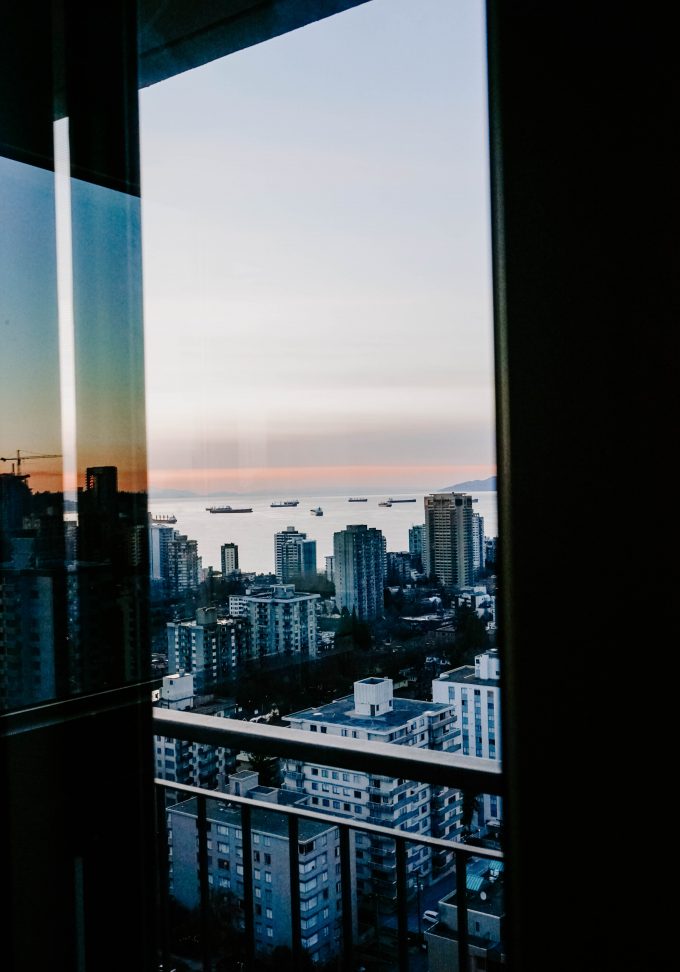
{"points": [[179, 761], [415, 543], [160, 536], [29, 633], [448, 540], [282, 622], [359, 571], [210, 647], [318, 866], [490, 545], [372, 713], [229, 559], [475, 693], [400, 567], [330, 569], [294, 555], [478, 549], [485, 914]]}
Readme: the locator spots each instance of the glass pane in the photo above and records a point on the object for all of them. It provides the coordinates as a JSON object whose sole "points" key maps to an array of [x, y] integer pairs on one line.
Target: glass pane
{"points": [[320, 402]]}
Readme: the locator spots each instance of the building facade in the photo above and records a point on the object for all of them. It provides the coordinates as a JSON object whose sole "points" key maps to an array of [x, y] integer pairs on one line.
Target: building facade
{"points": [[229, 559], [359, 571], [478, 548], [294, 555], [474, 691], [448, 540], [282, 622], [181, 761], [212, 648], [373, 713], [318, 866], [415, 544]]}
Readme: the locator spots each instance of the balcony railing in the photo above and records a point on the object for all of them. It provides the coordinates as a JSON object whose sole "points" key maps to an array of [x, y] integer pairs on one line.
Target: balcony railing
{"points": [[447, 769]]}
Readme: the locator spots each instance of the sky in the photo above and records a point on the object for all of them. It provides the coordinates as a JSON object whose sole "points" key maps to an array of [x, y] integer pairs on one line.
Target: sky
{"points": [[316, 254]]}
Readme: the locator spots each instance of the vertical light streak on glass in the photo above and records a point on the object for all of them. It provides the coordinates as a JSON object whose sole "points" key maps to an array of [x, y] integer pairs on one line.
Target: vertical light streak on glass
{"points": [[62, 174]]}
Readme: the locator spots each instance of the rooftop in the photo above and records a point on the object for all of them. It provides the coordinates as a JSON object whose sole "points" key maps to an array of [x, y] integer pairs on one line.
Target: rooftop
{"points": [[341, 713], [466, 674], [263, 821]]}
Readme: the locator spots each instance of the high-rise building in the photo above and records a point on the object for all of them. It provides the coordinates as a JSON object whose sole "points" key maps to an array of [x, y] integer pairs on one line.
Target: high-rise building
{"points": [[373, 713], [212, 648], [317, 862], [448, 545], [359, 570], [399, 567], [160, 536], [415, 543], [281, 621], [229, 559], [294, 555], [183, 565], [475, 693], [478, 549]]}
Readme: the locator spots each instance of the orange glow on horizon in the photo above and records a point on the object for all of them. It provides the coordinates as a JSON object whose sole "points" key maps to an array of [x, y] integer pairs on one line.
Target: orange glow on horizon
{"points": [[252, 479]]}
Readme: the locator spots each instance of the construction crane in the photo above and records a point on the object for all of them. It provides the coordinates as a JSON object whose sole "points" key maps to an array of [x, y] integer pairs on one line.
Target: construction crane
{"points": [[20, 458]]}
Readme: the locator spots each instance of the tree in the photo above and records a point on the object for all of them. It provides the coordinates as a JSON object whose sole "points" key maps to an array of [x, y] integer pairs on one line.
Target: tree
{"points": [[471, 635], [267, 768]]}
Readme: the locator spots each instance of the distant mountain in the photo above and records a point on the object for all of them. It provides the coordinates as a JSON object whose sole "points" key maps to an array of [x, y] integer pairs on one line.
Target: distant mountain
{"points": [[473, 486]]}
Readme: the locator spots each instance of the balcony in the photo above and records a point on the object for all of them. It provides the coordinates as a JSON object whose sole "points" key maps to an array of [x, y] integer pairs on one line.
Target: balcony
{"points": [[394, 934]]}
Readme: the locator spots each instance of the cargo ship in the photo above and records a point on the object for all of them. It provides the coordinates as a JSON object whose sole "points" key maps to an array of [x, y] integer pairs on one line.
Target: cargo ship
{"points": [[401, 500], [163, 518], [358, 499], [229, 509], [286, 503]]}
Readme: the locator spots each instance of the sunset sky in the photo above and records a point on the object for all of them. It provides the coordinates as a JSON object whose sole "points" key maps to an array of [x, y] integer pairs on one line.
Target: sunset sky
{"points": [[316, 258], [316, 272]]}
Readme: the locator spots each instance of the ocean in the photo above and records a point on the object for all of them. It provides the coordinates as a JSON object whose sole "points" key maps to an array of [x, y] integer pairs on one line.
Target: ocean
{"points": [[254, 532]]}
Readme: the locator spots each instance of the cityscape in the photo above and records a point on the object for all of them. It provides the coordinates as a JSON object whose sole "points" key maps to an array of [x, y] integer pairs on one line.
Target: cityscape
{"points": [[382, 646]]}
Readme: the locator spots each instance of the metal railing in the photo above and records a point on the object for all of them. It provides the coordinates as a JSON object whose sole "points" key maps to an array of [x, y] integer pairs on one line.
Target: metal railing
{"points": [[452, 770]]}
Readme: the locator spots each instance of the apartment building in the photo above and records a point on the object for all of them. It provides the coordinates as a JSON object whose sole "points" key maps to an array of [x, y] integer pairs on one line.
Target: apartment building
{"points": [[373, 713]]}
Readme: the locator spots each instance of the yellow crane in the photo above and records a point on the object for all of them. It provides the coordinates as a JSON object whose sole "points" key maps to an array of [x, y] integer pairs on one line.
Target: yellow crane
{"points": [[20, 458]]}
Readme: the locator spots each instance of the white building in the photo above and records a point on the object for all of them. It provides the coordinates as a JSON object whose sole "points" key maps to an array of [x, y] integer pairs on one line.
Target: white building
{"points": [[196, 764], [448, 541], [372, 713], [474, 691], [281, 621]]}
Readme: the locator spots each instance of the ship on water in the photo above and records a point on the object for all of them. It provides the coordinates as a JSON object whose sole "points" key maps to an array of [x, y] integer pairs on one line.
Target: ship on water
{"points": [[163, 518], [285, 503], [317, 511], [391, 500], [385, 503], [229, 509], [358, 499]]}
